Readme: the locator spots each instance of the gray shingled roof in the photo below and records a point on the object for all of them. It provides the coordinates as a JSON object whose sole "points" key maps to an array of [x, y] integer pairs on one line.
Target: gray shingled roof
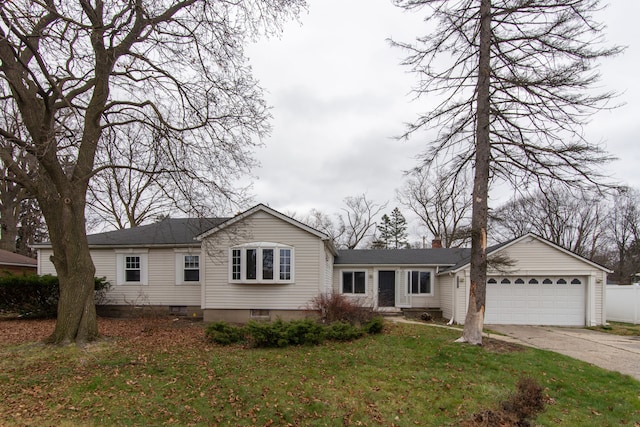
{"points": [[438, 256], [168, 232]]}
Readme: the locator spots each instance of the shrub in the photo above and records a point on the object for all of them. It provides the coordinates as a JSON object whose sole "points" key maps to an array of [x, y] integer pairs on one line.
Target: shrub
{"points": [[343, 331], [374, 326], [283, 334], [304, 332], [264, 334], [37, 296], [223, 333], [335, 307]]}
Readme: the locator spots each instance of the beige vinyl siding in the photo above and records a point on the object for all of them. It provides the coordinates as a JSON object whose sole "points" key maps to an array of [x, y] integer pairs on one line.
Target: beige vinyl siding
{"points": [[161, 278], [534, 257], [308, 250], [103, 259], [328, 271], [161, 273], [461, 296], [369, 298], [445, 290], [45, 266]]}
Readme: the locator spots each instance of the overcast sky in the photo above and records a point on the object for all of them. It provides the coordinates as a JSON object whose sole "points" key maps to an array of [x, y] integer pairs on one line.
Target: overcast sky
{"points": [[339, 96]]}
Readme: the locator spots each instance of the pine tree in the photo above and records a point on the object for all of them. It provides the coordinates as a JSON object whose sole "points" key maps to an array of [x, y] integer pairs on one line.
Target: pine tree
{"points": [[383, 240], [398, 230], [393, 232]]}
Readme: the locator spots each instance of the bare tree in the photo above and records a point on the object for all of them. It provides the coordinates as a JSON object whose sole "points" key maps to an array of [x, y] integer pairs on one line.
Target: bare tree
{"points": [[514, 81], [441, 201], [11, 196], [358, 220], [352, 226], [135, 186], [624, 231], [75, 68], [324, 222], [572, 219]]}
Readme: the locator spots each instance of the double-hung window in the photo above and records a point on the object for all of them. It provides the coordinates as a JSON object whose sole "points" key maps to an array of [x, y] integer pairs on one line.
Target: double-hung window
{"points": [[131, 267], [187, 268], [419, 282], [191, 272], [261, 262], [354, 282]]}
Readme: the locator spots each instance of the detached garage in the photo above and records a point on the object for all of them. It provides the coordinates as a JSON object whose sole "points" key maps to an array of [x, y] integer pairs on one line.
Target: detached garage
{"points": [[543, 284]]}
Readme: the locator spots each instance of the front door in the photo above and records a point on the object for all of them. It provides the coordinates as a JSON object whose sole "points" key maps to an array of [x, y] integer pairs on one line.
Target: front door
{"points": [[386, 288]]}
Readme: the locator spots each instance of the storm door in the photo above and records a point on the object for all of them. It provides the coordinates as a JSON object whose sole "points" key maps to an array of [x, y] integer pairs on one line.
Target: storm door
{"points": [[386, 288]]}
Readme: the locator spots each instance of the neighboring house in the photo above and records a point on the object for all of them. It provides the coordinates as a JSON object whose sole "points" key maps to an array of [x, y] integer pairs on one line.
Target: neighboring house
{"points": [[263, 264], [12, 263]]}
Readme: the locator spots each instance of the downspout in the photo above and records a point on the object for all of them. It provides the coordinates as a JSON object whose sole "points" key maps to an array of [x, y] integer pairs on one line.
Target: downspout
{"points": [[454, 284]]}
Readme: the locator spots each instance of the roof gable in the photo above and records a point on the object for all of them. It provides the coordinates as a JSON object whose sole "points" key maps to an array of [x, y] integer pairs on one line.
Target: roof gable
{"points": [[493, 250], [262, 208]]}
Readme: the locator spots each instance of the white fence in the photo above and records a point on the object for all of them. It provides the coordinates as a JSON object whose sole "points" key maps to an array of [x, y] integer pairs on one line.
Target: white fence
{"points": [[623, 303]]}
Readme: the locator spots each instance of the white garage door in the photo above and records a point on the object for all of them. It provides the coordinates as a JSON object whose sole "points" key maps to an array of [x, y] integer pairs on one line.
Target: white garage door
{"points": [[513, 300]]}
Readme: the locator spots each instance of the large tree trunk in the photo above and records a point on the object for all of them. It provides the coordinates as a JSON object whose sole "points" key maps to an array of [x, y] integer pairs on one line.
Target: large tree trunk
{"points": [[474, 320], [9, 224], [65, 219]]}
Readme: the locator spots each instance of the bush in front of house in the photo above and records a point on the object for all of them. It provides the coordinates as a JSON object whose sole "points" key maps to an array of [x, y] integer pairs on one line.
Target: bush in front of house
{"points": [[279, 333], [374, 326], [343, 331], [224, 334], [37, 296], [336, 307]]}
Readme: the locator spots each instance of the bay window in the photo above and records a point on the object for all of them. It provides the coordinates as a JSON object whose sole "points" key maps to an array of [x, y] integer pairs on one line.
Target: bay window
{"points": [[261, 262]]}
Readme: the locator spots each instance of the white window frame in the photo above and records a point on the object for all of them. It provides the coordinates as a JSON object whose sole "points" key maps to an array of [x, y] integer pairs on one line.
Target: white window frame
{"points": [[260, 248], [410, 278], [121, 273], [353, 273], [180, 268]]}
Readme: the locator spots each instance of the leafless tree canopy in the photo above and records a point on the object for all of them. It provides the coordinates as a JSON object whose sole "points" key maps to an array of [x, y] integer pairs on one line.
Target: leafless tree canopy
{"points": [[623, 228], [351, 228], [441, 202], [542, 74], [513, 82], [74, 71], [574, 220]]}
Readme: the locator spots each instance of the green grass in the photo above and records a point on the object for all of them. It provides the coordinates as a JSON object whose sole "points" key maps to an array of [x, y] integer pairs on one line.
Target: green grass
{"points": [[618, 328], [409, 375]]}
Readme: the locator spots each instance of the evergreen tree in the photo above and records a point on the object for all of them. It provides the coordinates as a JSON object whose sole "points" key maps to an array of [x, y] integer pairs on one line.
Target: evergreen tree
{"points": [[384, 238], [398, 229], [393, 232]]}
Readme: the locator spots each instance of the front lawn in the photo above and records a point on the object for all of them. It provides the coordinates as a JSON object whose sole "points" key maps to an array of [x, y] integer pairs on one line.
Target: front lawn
{"points": [[155, 372]]}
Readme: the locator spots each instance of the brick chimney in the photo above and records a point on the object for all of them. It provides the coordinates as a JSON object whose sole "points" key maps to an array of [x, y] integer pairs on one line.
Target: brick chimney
{"points": [[436, 243]]}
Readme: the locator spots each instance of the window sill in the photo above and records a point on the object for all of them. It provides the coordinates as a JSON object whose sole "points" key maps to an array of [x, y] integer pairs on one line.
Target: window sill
{"points": [[260, 282]]}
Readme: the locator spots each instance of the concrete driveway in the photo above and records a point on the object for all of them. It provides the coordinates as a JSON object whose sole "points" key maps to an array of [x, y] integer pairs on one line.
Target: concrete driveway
{"points": [[612, 352]]}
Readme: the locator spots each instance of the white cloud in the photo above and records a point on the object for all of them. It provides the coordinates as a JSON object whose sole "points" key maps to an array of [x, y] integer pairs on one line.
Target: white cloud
{"points": [[340, 96]]}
